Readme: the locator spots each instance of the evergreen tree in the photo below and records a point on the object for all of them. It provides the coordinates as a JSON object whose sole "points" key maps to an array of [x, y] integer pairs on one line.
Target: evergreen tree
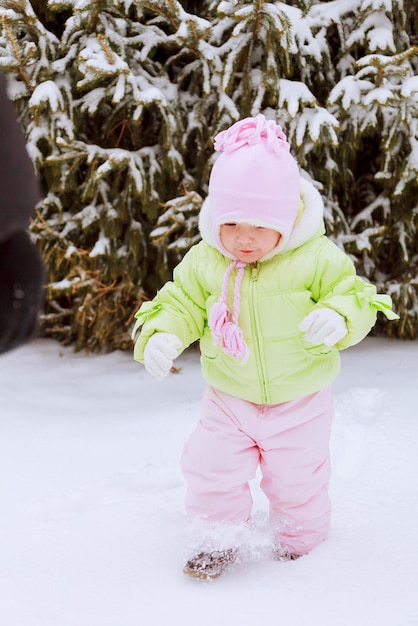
{"points": [[104, 133], [120, 101]]}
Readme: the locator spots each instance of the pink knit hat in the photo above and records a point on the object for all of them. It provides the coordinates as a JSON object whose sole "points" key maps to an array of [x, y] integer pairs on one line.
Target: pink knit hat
{"points": [[255, 180]]}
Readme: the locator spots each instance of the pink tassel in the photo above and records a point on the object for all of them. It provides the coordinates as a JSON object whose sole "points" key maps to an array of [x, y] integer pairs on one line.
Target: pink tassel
{"points": [[232, 339], [218, 317], [233, 342]]}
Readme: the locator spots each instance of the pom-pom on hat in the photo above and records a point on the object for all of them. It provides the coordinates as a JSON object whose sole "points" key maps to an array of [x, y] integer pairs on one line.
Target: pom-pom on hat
{"points": [[255, 179]]}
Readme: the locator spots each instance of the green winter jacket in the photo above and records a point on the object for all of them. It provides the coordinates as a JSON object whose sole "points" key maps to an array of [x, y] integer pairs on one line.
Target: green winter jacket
{"points": [[276, 295]]}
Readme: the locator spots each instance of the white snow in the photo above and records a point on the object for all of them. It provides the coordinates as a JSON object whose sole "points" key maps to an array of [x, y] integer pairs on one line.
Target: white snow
{"points": [[47, 92], [92, 523], [101, 247], [295, 94], [410, 87], [350, 90]]}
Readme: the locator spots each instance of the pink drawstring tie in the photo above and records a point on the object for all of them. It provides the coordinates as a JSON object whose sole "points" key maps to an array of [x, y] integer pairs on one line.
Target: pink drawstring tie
{"points": [[225, 327]]}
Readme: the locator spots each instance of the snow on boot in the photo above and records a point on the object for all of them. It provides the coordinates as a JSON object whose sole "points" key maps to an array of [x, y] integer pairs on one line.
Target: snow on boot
{"points": [[209, 565], [283, 555]]}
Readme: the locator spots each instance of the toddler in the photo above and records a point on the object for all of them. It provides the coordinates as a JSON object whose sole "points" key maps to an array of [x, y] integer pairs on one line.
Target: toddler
{"points": [[272, 301]]}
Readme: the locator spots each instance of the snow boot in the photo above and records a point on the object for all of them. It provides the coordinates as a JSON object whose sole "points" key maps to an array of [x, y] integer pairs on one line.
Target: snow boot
{"points": [[283, 555], [210, 565]]}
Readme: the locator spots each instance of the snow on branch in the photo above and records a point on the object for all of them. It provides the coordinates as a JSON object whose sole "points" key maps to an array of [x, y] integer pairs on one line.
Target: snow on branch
{"points": [[48, 93]]}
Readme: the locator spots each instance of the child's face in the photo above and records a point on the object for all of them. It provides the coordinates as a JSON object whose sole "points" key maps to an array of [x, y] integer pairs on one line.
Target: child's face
{"points": [[248, 243]]}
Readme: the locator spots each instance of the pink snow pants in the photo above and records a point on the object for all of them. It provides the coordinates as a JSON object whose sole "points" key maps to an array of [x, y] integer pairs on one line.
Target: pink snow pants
{"points": [[290, 442]]}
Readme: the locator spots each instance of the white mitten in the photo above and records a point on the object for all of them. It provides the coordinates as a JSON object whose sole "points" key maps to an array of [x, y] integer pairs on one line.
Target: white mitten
{"points": [[324, 326], [159, 354]]}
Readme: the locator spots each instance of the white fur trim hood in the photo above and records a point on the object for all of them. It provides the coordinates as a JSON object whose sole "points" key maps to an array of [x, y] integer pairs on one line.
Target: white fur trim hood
{"points": [[309, 224]]}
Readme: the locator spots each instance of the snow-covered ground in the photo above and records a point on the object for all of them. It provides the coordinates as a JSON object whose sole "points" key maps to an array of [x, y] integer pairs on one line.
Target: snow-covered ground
{"points": [[92, 524]]}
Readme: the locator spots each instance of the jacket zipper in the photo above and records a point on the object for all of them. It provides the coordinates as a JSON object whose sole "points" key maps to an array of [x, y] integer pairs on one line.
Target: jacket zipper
{"points": [[254, 278], [254, 271]]}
